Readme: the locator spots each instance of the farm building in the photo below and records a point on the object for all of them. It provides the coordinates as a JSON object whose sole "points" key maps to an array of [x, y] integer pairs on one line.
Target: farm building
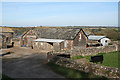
{"points": [[7, 35], [48, 44], [54, 38], [2, 41], [94, 40], [17, 40], [27, 38]]}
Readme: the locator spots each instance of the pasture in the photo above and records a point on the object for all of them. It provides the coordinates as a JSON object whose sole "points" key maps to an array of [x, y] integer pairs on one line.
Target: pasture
{"points": [[110, 59]]}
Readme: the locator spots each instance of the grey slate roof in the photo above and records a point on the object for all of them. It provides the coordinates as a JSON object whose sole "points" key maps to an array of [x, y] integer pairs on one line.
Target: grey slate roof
{"points": [[57, 33]]}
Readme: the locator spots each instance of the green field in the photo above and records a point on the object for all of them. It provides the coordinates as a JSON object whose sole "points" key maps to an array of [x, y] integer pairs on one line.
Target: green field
{"points": [[110, 59]]}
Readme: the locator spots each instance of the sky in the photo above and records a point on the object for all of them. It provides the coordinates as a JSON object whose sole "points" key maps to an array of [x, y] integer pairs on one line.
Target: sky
{"points": [[59, 14]]}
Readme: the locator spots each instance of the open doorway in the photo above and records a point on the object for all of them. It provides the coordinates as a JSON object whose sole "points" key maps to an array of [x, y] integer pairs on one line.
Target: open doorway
{"points": [[50, 43]]}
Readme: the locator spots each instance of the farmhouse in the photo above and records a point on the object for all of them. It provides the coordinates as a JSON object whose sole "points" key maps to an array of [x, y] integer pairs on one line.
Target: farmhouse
{"points": [[7, 35], [54, 38]]}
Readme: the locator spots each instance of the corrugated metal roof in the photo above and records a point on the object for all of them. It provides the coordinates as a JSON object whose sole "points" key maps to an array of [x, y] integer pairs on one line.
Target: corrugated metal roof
{"points": [[93, 37], [49, 40]]}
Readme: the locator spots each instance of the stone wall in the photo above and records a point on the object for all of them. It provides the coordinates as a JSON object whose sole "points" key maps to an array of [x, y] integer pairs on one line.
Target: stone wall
{"points": [[96, 69], [16, 41], [93, 51], [89, 51]]}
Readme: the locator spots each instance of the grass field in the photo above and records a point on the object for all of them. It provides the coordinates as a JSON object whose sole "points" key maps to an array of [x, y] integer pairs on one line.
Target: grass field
{"points": [[72, 73], [110, 59]]}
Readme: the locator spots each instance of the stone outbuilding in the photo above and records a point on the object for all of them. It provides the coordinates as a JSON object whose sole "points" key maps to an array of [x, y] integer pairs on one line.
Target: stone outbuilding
{"points": [[53, 38], [6, 35], [48, 44]]}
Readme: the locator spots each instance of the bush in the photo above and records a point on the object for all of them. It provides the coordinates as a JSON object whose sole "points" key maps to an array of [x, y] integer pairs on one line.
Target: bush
{"points": [[110, 44]]}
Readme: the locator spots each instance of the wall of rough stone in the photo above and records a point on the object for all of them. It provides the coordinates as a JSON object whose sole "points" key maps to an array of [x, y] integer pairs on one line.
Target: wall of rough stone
{"points": [[96, 69], [89, 51], [16, 41], [93, 51]]}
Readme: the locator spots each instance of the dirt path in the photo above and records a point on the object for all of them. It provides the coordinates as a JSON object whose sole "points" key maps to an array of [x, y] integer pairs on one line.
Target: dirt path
{"points": [[27, 63]]}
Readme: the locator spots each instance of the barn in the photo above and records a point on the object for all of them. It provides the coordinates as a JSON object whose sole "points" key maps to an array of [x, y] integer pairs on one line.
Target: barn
{"points": [[54, 38], [27, 38], [6, 34], [48, 44], [3, 41]]}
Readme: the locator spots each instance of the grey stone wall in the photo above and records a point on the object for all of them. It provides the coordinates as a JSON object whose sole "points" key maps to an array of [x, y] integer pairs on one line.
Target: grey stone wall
{"points": [[89, 51], [93, 51], [96, 69]]}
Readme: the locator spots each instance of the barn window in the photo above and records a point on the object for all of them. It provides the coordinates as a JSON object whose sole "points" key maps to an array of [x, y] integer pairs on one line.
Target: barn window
{"points": [[80, 36], [65, 44], [106, 41], [41, 43]]}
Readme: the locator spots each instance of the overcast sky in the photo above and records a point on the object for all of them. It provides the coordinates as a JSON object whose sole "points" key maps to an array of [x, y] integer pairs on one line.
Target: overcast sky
{"points": [[59, 13]]}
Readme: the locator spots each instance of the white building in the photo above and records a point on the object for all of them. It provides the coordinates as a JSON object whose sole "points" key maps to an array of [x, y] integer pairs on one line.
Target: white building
{"points": [[99, 39]]}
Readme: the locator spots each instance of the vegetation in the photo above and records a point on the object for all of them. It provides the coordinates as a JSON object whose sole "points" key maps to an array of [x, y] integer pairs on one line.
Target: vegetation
{"points": [[5, 77], [111, 33], [77, 57], [20, 30], [72, 73], [110, 44], [110, 59]]}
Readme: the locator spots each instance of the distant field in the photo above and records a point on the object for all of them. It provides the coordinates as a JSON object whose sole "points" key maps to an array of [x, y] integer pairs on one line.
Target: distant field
{"points": [[110, 59]]}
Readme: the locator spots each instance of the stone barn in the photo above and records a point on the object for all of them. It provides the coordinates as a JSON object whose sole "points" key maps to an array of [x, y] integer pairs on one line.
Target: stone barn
{"points": [[3, 43], [27, 38], [7, 35], [17, 40], [48, 44], [66, 38]]}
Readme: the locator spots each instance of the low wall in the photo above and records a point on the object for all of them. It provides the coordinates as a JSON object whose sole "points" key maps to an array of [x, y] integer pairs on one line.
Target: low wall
{"points": [[89, 51], [86, 67], [93, 50]]}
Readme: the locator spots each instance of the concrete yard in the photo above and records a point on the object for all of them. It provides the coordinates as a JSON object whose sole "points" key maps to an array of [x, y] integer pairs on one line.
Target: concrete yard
{"points": [[27, 63]]}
